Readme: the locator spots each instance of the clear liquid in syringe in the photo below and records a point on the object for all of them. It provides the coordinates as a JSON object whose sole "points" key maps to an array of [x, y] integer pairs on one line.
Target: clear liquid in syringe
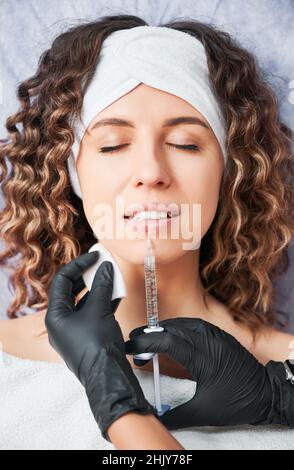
{"points": [[151, 291]]}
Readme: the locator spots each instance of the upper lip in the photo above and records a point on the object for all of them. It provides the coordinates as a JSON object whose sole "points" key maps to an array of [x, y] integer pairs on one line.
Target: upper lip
{"points": [[136, 207]]}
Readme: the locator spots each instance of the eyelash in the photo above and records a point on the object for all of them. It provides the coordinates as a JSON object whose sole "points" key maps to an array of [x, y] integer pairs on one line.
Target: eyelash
{"points": [[186, 148]]}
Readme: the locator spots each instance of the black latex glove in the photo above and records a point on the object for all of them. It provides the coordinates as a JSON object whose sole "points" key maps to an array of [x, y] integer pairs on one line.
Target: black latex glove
{"points": [[89, 339], [233, 388]]}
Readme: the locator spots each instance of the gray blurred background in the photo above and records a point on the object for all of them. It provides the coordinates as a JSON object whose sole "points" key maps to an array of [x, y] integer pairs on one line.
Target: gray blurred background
{"points": [[264, 27]]}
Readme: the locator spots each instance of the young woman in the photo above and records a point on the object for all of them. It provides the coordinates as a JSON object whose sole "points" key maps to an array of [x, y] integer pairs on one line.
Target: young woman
{"points": [[246, 211]]}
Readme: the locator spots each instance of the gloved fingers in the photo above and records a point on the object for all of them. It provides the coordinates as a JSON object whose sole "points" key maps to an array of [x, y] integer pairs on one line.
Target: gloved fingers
{"points": [[199, 332], [82, 301], [141, 362], [177, 331], [197, 325], [78, 286], [174, 325], [196, 331], [181, 332], [161, 342], [101, 289], [137, 331], [114, 304], [202, 328], [61, 293], [192, 332], [183, 416]]}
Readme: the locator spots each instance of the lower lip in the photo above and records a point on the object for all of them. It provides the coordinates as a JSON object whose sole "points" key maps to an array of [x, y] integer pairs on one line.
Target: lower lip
{"points": [[149, 225]]}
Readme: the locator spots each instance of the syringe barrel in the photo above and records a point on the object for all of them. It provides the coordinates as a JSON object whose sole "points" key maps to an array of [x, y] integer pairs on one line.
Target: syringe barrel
{"points": [[151, 296]]}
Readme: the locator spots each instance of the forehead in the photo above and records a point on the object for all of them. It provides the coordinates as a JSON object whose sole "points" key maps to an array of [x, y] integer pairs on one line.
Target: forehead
{"points": [[144, 102]]}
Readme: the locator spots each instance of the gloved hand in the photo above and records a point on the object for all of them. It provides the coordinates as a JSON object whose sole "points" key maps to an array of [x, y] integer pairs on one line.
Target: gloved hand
{"points": [[89, 339], [233, 388]]}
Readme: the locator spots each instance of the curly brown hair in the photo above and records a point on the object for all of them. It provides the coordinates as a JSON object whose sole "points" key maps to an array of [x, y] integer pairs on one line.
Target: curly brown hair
{"points": [[43, 221]]}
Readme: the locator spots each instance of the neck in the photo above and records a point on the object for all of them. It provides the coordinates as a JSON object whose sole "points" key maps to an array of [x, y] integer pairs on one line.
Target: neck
{"points": [[179, 292]]}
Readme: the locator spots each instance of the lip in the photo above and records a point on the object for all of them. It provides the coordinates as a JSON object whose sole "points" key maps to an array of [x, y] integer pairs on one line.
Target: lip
{"points": [[136, 207], [150, 225]]}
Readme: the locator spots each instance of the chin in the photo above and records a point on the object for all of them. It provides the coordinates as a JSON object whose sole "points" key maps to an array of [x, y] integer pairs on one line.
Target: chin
{"points": [[133, 251]]}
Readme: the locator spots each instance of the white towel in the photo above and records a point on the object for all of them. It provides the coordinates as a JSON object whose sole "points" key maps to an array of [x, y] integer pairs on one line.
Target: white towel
{"points": [[43, 406]]}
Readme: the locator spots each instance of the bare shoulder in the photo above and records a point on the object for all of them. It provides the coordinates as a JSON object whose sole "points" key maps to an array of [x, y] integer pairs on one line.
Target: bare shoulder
{"points": [[270, 344], [274, 345], [13, 332], [27, 325], [25, 337], [9, 327]]}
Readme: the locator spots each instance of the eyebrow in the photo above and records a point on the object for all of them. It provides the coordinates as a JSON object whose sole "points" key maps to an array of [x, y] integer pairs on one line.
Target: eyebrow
{"points": [[168, 123]]}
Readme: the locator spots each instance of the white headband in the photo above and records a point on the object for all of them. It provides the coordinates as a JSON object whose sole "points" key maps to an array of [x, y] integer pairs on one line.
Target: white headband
{"points": [[161, 57]]}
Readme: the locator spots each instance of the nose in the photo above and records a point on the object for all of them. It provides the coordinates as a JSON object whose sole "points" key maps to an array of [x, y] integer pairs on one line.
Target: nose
{"points": [[150, 168]]}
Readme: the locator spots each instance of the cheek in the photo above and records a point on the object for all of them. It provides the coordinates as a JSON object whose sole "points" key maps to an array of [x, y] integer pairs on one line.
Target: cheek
{"points": [[93, 176], [98, 188], [202, 187], [208, 210], [98, 202]]}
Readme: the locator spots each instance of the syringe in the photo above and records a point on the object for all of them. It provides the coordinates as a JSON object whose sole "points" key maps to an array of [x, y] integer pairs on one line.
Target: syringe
{"points": [[151, 287], [152, 321]]}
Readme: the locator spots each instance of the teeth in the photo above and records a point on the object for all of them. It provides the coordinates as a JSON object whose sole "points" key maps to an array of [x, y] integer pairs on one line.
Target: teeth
{"points": [[150, 215]]}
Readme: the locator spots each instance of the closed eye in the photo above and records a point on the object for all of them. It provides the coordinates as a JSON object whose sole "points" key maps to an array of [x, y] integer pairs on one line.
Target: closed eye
{"points": [[190, 147]]}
